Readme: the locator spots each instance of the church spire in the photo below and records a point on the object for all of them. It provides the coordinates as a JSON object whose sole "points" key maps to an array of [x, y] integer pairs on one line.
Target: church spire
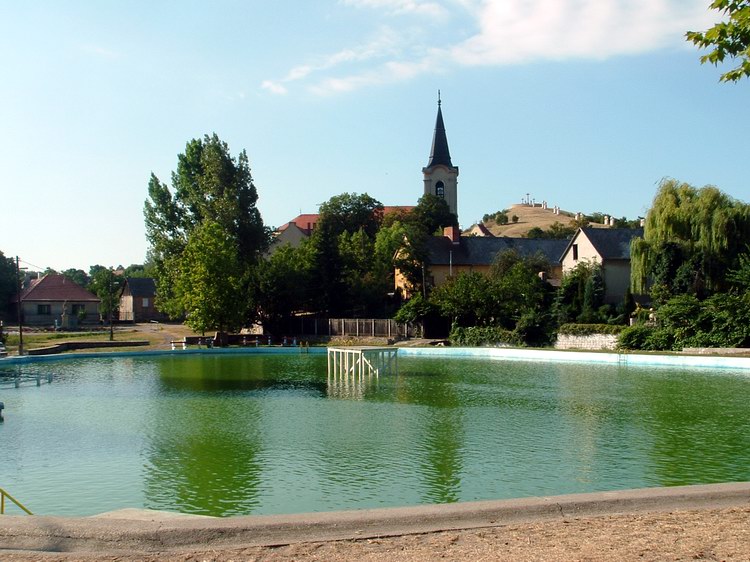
{"points": [[440, 175], [440, 153]]}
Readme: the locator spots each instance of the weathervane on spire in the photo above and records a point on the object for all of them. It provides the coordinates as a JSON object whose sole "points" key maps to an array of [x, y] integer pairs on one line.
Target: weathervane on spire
{"points": [[438, 98]]}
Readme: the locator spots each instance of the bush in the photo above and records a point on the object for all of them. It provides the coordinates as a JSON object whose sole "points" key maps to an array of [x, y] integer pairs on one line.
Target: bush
{"points": [[646, 338], [589, 329], [634, 337], [534, 329], [477, 336]]}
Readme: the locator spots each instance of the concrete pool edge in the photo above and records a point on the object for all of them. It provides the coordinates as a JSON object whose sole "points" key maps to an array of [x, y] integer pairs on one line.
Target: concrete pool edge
{"points": [[498, 353], [144, 531]]}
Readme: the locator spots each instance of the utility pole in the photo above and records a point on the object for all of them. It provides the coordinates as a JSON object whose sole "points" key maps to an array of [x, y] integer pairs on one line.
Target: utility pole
{"points": [[20, 315]]}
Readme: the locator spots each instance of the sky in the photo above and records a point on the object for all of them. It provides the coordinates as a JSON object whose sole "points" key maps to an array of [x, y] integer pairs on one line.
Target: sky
{"points": [[585, 104]]}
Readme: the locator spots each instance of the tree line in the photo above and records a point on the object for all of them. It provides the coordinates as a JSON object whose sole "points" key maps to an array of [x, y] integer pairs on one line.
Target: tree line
{"points": [[209, 248]]}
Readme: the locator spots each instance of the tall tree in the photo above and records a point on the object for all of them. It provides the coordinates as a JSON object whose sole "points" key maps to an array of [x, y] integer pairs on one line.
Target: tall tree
{"points": [[208, 186], [210, 280], [282, 285], [8, 284], [710, 229], [332, 254], [728, 39]]}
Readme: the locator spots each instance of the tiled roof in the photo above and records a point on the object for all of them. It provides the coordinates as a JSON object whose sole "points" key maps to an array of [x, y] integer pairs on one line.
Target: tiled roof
{"points": [[56, 287], [479, 250], [306, 222], [612, 243], [141, 286]]}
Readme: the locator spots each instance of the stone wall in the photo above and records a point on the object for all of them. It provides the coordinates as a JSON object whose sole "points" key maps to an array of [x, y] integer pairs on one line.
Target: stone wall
{"points": [[592, 342]]}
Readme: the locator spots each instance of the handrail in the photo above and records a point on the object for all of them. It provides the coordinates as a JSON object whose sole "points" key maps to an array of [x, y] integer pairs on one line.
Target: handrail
{"points": [[3, 495]]}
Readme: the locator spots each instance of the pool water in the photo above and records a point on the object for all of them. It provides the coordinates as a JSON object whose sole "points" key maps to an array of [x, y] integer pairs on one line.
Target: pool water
{"points": [[260, 434]]}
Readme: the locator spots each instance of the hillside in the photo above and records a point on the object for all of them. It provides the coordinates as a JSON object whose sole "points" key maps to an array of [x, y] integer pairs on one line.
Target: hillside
{"points": [[528, 218]]}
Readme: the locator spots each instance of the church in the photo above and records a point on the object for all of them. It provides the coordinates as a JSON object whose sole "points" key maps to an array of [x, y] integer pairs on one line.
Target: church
{"points": [[451, 253], [440, 179]]}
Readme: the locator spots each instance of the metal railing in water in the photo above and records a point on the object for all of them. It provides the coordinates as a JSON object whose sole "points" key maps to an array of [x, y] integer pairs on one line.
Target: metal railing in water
{"points": [[3, 495]]}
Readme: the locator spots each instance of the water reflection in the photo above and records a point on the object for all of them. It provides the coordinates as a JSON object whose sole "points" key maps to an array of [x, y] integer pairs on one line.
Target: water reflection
{"points": [[224, 435], [349, 386], [203, 451]]}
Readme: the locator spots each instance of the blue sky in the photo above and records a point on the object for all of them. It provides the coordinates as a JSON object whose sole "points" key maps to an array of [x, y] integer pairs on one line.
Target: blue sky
{"points": [[586, 104]]}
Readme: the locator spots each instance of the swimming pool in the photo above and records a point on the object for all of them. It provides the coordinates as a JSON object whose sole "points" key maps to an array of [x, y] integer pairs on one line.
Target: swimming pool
{"points": [[229, 434]]}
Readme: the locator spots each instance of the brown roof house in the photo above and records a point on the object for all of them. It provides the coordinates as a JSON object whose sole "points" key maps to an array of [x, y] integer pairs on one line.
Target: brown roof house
{"points": [[300, 228], [610, 248], [137, 300], [56, 300], [451, 254]]}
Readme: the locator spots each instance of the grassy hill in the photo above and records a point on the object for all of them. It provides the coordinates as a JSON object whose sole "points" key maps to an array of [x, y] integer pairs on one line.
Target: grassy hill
{"points": [[528, 218]]}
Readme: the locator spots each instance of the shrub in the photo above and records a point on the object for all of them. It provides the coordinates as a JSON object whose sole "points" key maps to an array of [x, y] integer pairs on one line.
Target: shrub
{"points": [[634, 337], [589, 329], [481, 336]]}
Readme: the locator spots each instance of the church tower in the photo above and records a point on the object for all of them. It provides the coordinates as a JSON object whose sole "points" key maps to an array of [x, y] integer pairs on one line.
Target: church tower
{"points": [[440, 175]]}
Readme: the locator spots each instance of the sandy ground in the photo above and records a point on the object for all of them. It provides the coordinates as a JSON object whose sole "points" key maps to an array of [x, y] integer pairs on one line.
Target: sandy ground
{"points": [[706, 534]]}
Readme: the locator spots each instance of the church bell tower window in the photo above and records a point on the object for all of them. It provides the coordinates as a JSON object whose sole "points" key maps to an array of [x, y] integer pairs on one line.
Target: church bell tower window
{"points": [[440, 190]]}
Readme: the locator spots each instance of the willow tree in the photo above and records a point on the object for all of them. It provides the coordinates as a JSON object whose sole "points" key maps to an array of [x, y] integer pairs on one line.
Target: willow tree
{"points": [[704, 227]]}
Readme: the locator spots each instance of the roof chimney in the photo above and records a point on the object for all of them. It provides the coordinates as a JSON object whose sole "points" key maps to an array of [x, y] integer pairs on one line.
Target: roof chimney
{"points": [[453, 233]]}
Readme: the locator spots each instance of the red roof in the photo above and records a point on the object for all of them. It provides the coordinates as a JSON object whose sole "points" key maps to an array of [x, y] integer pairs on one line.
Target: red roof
{"points": [[56, 288], [307, 222]]}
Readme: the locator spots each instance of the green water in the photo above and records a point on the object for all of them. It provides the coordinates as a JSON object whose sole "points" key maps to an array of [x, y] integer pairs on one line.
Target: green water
{"points": [[229, 434]]}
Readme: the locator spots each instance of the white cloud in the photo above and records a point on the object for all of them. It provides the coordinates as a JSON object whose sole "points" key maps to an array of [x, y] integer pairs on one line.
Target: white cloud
{"points": [[99, 51], [385, 44], [401, 7], [502, 32], [273, 87], [517, 31]]}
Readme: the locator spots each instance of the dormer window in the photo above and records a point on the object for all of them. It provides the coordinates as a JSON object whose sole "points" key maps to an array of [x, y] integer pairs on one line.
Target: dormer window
{"points": [[440, 190]]}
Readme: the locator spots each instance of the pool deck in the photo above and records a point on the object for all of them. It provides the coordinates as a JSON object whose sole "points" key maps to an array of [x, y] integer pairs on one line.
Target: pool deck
{"points": [[143, 531]]}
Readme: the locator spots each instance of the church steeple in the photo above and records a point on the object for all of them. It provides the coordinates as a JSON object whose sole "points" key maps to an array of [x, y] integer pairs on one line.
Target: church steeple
{"points": [[440, 175], [440, 153]]}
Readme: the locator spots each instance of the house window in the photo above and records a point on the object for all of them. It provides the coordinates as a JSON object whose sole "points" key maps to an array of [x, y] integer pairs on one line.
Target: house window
{"points": [[440, 190], [575, 252], [145, 302], [79, 309], [45, 309]]}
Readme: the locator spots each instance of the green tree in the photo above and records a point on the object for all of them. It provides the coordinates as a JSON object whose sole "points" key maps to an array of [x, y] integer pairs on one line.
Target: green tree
{"points": [[136, 270], [282, 287], [208, 186], [571, 300], [106, 285], [557, 231], [704, 231], [740, 276], [8, 284], [210, 283], [728, 39], [78, 276], [432, 214], [467, 299], [340, 266]]}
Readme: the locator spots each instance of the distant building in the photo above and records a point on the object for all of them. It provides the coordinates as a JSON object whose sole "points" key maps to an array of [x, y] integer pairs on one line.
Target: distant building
{"points": [[451, 254], [609, 247], [56, 300], [301, 227], [137, 300], [479, 229]]}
